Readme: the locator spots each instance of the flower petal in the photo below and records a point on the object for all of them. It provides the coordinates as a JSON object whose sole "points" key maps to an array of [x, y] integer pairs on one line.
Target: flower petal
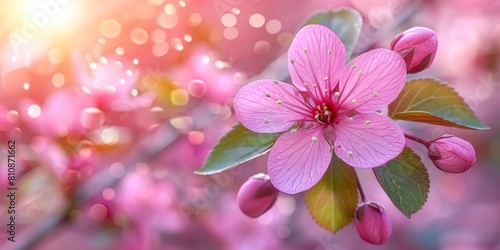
{"points": [[267, 106], [367, 140], [298, 160], [372, 80], [318, 58]]}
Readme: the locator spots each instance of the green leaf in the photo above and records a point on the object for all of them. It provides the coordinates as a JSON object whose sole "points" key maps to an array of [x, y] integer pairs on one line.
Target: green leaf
{"points": [[345, 22], [332, 201], [406, 181], [237, 146], [430, 101]]}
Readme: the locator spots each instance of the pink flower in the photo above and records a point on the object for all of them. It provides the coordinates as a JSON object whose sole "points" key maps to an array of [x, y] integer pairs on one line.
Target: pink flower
{"points": [[372, 223], [452, 154], [58, 116], [334, 105], [112, 84]]}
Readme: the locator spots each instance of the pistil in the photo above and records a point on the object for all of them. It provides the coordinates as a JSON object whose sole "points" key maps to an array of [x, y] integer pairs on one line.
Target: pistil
{"points": [[323, 114]]}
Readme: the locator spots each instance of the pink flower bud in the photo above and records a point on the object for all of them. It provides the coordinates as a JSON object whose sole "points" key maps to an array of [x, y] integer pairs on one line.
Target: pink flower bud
{"points": [[256, 195], [417, 46], [372, 223], [451, 154]]}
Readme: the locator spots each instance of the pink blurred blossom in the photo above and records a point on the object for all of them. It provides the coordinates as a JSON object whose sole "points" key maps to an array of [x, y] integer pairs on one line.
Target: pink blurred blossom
{"points": [[58, 116], [200, 71], [111, 83], [149, 203]]}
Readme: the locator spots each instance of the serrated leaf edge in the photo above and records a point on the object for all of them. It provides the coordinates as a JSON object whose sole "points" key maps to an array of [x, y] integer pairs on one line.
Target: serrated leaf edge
{"points": [[439, 82], [329, 171], [426, 194]]}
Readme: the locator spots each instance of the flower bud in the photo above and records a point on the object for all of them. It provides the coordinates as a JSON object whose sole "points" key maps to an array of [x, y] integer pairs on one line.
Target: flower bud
{"points": [[256, 195], [451, 154], [372, 223], [417, 46]]}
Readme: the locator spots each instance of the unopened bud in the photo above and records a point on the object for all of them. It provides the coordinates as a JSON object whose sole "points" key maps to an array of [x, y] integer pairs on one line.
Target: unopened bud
{"points": [[256, 195], [417, 46], [452, 154], [372, 223]]}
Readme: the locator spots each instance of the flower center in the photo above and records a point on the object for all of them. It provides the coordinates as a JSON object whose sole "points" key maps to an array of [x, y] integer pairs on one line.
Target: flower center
{"points": [[323, 114]]}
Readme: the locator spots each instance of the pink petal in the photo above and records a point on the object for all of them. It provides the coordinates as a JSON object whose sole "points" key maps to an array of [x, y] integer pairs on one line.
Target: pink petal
{"points": [[368, 140], [323, 62], [372, 80], [62, 111], [298, 160], [265, 106], [116, 75]]}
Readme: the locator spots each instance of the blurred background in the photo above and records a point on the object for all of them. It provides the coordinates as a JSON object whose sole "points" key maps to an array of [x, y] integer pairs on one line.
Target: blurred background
{"points": [[114, 104]]}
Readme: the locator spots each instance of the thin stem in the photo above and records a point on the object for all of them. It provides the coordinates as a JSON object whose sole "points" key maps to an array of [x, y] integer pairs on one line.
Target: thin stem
{"points": [[419, 140], [361, 192]]}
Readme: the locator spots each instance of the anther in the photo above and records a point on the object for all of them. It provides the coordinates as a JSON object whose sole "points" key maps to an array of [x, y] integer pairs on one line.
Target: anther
{"points": [[315, 86], [361, 73], [325, 79], [292, 61], [354, 102], [337, 94], [279, 102], [350, 119], [367, 122], [314, 139], [305, 50], [268, 95], [375, 94], [349, 153], [275, 81], [354, 66], [266, 120], [329, 52]]}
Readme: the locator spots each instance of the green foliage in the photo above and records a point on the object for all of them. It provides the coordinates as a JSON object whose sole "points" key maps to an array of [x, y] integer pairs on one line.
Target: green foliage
{"points": [[430, 101], [406, 181], [332, 201], [237, 146]]}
